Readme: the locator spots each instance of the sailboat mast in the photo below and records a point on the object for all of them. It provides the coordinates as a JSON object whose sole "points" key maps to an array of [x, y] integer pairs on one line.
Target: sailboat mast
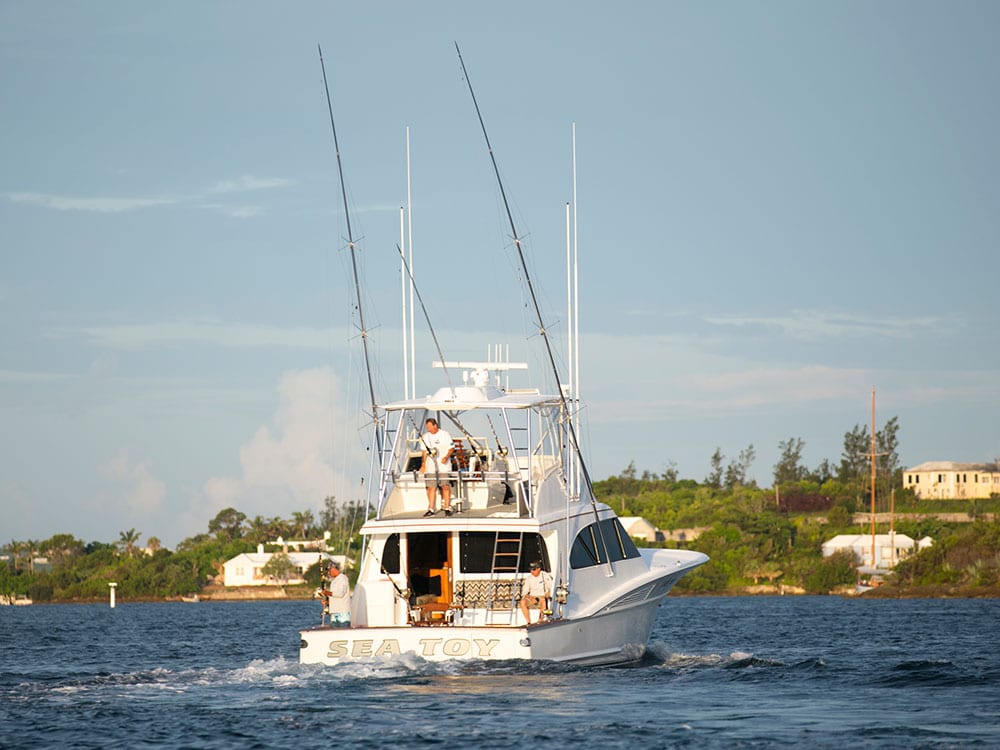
{"points": [[354, 260]]}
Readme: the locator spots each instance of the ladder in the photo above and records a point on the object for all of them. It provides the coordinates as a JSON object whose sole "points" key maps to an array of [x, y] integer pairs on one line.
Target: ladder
{"points": [[506, 559]]}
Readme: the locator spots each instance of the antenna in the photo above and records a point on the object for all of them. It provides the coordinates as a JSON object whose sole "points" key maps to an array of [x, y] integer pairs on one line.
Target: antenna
{"points": [[402, 283], [409, 243]]}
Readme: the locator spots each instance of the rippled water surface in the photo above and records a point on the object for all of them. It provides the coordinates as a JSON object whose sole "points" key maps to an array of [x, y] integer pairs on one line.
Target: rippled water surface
{"points": [[720, 672]]}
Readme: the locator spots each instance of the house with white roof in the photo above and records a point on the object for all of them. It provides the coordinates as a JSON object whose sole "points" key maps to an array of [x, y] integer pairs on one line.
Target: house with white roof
{"points": [[889, 548], [950, 480], [247, 569]]}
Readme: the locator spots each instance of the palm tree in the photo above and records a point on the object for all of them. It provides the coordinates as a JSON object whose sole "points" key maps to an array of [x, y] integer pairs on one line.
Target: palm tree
{"points": [[31, 548], [258, 532], [303, 522], [153, 544], [127, 540], [16, 548]]}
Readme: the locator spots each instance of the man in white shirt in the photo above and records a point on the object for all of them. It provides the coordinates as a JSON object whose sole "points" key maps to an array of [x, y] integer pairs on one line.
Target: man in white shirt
{"points": [[338, 598], [536, 591], [437, 466]]}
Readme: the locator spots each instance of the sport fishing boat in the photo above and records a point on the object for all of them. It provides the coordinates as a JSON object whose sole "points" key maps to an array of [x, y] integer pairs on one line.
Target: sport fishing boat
{"points": [[448, 586], [448, 581]]}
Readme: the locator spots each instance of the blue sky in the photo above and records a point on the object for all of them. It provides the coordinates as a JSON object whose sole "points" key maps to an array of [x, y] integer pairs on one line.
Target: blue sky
{"points": [[781, 205]]}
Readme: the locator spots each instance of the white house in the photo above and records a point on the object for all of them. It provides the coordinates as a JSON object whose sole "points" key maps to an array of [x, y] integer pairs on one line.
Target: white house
{"points": [[889, 548], [247, 568], [640, 528]]}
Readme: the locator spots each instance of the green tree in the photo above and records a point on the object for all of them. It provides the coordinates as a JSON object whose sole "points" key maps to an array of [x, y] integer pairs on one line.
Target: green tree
{"points": [[303, 522], [227, 524], [127, 542], [789, 467], [838, 517], [854, 460], [61, 549], [279, 567], [714, 478], [887, 454], [836, 570], [736, 471]]}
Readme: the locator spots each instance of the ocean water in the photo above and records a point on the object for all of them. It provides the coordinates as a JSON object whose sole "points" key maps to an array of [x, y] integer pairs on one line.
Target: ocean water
{"points": [[719, 673]]}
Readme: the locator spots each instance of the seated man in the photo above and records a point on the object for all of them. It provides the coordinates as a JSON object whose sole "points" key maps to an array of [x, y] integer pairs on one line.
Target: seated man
{"points": [[536, 591]]}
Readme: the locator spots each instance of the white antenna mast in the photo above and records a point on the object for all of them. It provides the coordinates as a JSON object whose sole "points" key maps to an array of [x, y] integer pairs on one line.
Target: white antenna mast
{"points": [[569, 300], [576, 287], [402, 283], [409, 219]]}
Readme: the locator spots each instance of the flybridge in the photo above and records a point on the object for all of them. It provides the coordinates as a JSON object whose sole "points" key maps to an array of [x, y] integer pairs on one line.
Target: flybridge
{"points": [[481, 387]]}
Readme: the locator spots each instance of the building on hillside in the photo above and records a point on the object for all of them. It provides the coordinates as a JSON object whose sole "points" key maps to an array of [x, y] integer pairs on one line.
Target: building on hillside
{"points": [[640, 528], [247, 569], [685, 535], [889, 548], [949, 480]]}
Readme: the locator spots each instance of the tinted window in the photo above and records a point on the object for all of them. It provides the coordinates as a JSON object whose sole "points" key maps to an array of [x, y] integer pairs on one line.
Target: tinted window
{"points": [[584, 552], [390, 554], [476, 550], [600, 542]]}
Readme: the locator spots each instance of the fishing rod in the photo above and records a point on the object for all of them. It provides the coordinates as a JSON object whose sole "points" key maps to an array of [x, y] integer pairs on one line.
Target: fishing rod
{"points": [[537, 309], [354, 262]]}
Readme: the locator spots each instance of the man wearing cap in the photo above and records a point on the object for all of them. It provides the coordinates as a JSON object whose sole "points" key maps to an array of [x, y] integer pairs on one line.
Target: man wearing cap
{"points": [[536, 591], [338, 597]]}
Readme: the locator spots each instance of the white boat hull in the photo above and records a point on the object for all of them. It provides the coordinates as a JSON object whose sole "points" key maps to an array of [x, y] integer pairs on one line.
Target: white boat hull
{"points": [[604, 639], [615, 634]]}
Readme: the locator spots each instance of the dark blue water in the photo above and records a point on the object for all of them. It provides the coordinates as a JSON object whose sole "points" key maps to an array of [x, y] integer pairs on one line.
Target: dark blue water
{"points": [[721, 672]]}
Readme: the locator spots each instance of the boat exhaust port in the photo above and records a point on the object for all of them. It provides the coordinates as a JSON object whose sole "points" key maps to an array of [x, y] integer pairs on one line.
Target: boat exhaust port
{"points": [[303, 644], [525, 642]]}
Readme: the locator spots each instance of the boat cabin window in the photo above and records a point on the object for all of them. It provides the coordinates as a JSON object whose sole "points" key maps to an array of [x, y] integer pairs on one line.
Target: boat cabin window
{"points": [[428, 564], [390, 554], [479, 551], [588, 547]]}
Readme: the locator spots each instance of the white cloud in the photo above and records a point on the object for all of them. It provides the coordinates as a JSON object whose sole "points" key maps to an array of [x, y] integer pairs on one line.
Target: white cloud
{"points": [[104, 204], [290, 465], [134, 489], [235, 212], [235, 336], [248, 183], [100, 205], [814, 325]]}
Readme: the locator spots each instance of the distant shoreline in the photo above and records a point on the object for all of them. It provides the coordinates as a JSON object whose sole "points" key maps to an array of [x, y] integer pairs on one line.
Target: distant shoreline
{"points": [[261, 594]]}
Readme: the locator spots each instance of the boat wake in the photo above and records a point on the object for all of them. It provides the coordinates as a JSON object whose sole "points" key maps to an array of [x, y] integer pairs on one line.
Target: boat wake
{"points": [[658, 655]]}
